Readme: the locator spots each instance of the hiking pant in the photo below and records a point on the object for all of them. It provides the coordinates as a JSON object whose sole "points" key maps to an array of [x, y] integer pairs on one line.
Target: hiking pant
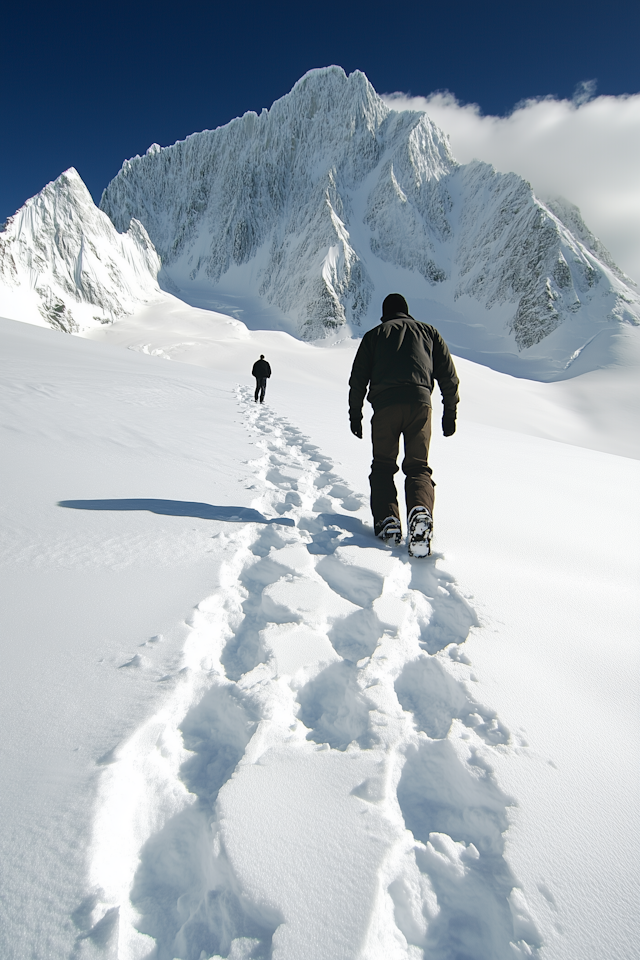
{"points": [[261, 386], [413, 421]]}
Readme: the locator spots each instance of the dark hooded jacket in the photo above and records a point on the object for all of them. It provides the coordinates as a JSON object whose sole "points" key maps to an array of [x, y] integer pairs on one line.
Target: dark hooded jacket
{"points": [[399, 360], [261, 369]]}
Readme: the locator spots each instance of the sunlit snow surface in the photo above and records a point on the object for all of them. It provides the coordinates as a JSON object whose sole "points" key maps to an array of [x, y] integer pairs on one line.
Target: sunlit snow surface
{"points": [[235, 725]]}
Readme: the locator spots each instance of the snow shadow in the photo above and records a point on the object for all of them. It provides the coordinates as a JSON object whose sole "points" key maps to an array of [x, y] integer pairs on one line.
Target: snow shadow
{"points": [[180, 508], [331, 530], [99, 939], [356, 636], [244, 650], [444, 616], [335, 710]]}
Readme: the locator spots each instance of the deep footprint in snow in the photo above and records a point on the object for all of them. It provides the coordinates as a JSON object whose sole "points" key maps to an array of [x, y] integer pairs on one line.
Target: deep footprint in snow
{"points": [[436, 699], [457, 813], [336, 712], [335, 709], [336, 647], [178, 863]]}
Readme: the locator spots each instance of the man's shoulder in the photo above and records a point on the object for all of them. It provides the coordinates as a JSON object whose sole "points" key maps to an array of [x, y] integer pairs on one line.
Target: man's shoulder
{"points": [[369, 338], [394, 326], [424, 330], [419, 327]]}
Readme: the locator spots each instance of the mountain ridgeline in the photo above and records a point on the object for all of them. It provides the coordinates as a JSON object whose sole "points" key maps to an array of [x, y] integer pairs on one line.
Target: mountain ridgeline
{"points": [[317, 191], [314, 210]]}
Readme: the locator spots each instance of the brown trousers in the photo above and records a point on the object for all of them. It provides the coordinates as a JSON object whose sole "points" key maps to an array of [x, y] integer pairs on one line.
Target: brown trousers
{"points": [[413, 421]]}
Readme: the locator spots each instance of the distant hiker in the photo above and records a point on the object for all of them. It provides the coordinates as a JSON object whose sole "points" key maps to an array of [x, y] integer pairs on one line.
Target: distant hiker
{"points": [[398, 360], [261, 371]]}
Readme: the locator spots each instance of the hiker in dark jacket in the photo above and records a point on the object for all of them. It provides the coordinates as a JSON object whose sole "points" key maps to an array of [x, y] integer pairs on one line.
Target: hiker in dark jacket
{"points": [[261, 371], [398, 361]]}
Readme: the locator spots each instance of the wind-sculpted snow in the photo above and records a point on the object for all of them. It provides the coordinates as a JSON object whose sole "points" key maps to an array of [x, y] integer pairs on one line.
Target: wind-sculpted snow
{"points": [[310, 204], [65, 264], [321, 783]]}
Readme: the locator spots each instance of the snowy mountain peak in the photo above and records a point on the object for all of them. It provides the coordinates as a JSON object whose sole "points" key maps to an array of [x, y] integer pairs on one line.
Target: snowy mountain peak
{"points": [[278, 191], [63, 263], [319, 206], [305, 216]]}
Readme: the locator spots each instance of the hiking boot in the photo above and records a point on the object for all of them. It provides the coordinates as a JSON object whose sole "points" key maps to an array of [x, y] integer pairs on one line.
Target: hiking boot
{"points": [[389, 530], [420, 524]]}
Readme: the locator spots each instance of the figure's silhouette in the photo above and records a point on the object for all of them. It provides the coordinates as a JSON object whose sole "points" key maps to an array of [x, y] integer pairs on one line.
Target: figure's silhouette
{"points": [[261, 371], [398, 361]]}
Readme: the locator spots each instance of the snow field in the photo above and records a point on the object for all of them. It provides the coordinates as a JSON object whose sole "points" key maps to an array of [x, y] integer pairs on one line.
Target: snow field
{"points": [[84, 591], [116, 742], [329, 729]]}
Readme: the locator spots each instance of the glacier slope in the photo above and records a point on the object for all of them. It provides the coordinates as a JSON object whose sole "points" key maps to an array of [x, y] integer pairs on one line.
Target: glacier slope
{"points": [[308, 203]]}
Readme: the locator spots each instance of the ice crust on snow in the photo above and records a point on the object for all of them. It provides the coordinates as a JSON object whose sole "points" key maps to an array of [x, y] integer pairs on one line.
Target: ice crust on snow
{"points": [[326, 201]]}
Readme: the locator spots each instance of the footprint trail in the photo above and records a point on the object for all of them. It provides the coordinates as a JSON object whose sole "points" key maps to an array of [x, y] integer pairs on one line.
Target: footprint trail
{"points": [[320, 784]]}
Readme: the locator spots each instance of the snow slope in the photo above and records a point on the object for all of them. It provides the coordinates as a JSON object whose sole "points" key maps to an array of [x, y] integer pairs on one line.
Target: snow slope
{"points": [[237, 726], [599, 408]]}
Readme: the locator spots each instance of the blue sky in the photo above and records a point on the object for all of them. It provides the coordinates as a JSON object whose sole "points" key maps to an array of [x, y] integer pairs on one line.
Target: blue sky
{"points": [[91, 84]]}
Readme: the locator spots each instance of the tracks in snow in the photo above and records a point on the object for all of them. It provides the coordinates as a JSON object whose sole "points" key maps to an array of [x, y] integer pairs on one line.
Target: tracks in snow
{"points": [[320, 783]]}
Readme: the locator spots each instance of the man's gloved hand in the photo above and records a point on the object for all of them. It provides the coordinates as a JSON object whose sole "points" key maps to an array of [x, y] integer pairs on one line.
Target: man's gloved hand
{"points": [[449, 422], [356, 428]]}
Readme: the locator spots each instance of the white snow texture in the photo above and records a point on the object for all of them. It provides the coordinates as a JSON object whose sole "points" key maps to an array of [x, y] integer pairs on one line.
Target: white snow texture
{"points": [[234, 724]]}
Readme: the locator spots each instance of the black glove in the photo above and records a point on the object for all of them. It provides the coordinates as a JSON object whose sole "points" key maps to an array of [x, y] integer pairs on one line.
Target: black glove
{"points": [[356, 428], [449, 422]]}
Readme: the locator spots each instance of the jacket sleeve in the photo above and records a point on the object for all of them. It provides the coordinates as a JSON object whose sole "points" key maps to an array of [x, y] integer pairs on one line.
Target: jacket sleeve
{"points": [[253, 369], [359, 379], [444, 372], [268, 369]]}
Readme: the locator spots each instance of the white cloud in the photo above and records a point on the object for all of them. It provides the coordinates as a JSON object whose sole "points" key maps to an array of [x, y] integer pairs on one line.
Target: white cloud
{"points": [[586, 149]]}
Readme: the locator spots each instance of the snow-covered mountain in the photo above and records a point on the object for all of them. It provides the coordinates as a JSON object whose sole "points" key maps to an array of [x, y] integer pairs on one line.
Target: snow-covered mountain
{"points": [[63, 263], [305, 217], [330, 199]]}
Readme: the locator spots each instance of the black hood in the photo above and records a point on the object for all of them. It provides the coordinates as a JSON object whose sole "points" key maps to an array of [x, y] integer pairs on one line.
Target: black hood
{"points": [[395, 307]]}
